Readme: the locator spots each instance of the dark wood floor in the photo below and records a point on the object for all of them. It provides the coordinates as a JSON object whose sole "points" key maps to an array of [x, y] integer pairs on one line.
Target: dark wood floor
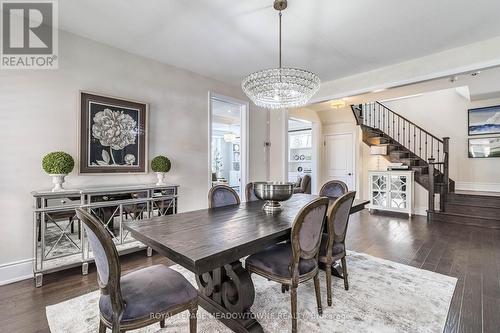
{"points": [[469, 253]]}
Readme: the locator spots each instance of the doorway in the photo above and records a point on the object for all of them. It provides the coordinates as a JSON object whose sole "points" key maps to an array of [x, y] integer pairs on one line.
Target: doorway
{"points": [[228, 130], [339, 158], [300, 149]]}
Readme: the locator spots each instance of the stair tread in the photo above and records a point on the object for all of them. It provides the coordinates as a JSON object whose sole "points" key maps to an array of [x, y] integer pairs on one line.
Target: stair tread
{"points": [[472, 205], [465, 215]]}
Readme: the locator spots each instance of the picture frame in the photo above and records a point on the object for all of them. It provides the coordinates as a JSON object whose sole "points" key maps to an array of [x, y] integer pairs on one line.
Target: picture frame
{"points": [[484, 147], [484, 120], [113, 135]]}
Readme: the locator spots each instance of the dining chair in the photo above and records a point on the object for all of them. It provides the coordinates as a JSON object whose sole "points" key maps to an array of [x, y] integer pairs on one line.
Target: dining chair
{"points": [[222, 195], [333, 243], [333, 189], [250, 193], [295, 262], [136, 299]]}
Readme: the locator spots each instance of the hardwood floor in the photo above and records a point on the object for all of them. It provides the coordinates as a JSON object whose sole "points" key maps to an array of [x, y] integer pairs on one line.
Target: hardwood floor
{"points": [[469, 253]]}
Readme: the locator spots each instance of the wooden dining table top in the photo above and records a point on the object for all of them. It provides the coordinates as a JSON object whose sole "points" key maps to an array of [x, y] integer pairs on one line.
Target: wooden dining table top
{"points": [[205, 239]]}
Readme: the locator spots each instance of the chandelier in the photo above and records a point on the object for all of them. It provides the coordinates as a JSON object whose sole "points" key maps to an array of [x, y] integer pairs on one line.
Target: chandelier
{"points": [[282, 87]]}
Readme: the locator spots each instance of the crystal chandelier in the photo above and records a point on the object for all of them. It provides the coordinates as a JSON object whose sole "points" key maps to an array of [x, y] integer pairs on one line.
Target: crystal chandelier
{"points": [[282, 87]]}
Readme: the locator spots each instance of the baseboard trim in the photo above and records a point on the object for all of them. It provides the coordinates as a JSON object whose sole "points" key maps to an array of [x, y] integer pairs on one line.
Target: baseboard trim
{"points": [[16, 271], [422, 211], [475, 186]]}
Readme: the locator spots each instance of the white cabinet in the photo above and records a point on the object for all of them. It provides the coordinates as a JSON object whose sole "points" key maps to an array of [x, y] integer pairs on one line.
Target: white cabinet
{"points": [[391, 190]]}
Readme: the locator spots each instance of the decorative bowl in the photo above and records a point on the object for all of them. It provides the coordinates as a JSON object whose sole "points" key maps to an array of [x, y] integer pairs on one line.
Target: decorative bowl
{"points": [[273, 193]]}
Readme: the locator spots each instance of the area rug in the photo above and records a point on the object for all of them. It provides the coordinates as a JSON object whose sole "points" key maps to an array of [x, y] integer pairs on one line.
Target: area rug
{"points": [[384, 296]]}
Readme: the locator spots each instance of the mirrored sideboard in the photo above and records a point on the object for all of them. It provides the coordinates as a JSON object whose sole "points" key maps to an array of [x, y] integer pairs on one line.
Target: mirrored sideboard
{"points": [[391, 191], [59, 240]]}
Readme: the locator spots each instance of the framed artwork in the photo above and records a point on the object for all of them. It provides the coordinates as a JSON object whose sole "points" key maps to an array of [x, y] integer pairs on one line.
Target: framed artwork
{"points": [[484, 120], [484, 147], [113, 135]]}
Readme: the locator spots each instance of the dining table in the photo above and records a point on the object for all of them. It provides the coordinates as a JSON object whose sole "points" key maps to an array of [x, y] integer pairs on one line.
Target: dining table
{"points": [[212, 243]]}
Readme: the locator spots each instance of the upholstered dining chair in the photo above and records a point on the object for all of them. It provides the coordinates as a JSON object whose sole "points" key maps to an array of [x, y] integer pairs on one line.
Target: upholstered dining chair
{"points": [[222, 195], [333, 189], [297, 261], [136, 299], [250, 193], [333, 243]]}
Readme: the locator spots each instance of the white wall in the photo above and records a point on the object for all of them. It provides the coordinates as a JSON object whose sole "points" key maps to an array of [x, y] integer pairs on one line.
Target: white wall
{"points": [[39, 114]]}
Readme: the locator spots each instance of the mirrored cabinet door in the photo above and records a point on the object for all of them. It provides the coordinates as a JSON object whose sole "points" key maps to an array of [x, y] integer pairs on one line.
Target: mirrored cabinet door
{"points": [[391, 190]]}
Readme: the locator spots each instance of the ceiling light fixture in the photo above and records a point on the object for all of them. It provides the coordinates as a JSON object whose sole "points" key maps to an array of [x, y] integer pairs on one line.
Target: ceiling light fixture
{"points": [[282, 87], [338, 103], [229, 137]]}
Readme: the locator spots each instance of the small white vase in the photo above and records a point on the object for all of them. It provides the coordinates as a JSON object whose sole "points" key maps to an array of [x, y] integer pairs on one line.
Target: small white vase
{"points": [[161, 178], [58, 180]]}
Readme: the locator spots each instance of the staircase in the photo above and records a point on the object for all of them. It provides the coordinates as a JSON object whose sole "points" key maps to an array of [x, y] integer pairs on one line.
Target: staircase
{"points": [[426, 155]]}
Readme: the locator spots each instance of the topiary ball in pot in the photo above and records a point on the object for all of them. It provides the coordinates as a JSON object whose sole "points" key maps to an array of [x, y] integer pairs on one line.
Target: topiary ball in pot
{"points": [[161, 165], [58, 164]]}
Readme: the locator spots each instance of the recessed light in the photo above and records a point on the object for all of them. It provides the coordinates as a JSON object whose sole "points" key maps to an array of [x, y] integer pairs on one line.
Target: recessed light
{"points": [[337, 103]]}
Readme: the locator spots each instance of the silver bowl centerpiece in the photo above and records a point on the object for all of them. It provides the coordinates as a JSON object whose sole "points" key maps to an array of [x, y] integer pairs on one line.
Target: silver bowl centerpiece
{"points": [[273, 193]]}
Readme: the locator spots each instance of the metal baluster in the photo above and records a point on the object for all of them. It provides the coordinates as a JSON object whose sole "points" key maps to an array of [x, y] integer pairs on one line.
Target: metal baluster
{"points": [[370, 115], [409, 136], [378, 117], [420, 144], [393, 125], [399, 127], [432, 147], [404, 137], [414, 139], [383, 119], [426, 147], [438, 155]]}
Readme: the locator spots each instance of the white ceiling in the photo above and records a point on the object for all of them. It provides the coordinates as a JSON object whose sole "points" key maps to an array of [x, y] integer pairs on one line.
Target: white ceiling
{"points": [[226, 39], [484, 85]]}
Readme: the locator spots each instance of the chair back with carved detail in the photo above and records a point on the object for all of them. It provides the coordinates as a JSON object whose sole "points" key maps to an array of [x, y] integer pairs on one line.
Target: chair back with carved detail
{"points": [[222, 195], [250, 192], [105, 257], [338, 218], [307, 229], [333, 189]]}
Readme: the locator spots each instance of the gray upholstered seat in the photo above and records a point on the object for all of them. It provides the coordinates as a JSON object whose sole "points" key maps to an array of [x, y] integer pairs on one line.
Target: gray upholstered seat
{"points": [[338, 248], [154, 289], [222, 195], [333, 189], [277, 259]]}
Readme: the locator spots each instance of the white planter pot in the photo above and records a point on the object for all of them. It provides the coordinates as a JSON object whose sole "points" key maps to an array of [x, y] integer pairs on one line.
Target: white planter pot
{"points": [[161, 178], [58, 181]]}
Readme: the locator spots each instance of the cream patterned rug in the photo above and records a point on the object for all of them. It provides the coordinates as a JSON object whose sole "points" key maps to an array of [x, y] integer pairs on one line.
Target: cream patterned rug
{"points": [[384, 296]]}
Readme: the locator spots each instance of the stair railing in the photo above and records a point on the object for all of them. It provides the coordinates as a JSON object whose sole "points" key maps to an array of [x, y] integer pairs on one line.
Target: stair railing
{"points": [[421, 143]]}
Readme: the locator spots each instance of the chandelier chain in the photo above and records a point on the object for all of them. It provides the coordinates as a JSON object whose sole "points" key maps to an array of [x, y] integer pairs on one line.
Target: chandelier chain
{"points": [[279, 61]]}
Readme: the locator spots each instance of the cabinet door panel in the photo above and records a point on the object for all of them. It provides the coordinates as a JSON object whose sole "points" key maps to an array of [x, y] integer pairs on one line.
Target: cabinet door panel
{"points": [[399, 183], [399, 200]]}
